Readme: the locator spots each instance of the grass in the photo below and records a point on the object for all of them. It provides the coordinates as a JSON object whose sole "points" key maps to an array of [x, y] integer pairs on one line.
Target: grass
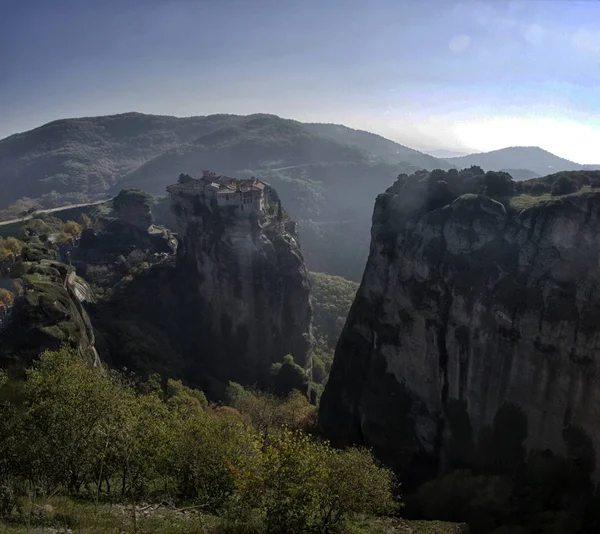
{"points": [[521, 202], [62, 515], [402, 526]]}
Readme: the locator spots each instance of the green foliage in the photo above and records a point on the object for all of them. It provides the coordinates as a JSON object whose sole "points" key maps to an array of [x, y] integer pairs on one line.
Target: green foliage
{"points": [[43, 226], [270, 413], [10, 249], [132, 197], [498, 184], [96, 435], [289, 376], [301, 485], [6, 298], [52, 437], [563, 186], [332, 297]]}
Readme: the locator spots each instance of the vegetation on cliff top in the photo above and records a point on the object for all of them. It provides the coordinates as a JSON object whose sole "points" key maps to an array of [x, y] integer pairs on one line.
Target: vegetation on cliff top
{"points": [[425, 191]]}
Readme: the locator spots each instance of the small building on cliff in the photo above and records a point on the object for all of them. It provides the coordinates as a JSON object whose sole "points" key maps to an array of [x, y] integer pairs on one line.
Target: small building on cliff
{"points": [[243, 196]]}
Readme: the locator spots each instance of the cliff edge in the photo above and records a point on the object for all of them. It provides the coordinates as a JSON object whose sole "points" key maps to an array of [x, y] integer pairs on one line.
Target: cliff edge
{"points": [[480, 300], [248, 291]]}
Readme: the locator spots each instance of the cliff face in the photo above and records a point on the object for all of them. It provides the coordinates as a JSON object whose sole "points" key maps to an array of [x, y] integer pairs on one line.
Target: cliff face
{"points": [[466, 307], [245, 286], [48, 314]]}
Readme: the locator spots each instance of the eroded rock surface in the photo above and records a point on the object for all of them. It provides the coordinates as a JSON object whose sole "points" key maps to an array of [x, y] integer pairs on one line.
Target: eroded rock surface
{"points": [[467, 303], [248, 293]]}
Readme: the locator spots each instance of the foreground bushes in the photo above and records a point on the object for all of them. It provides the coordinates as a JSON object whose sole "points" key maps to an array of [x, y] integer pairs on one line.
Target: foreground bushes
{"points": [[94, 434]]}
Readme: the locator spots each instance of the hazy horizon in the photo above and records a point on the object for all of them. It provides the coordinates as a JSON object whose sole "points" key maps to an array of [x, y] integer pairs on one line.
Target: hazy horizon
{"points": [[458, 76]]}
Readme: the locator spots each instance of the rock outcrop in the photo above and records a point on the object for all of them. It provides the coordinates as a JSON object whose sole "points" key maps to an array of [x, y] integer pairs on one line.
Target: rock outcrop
{"points": [[48, 314], [469, 305], [134, 208], [247, 292]]}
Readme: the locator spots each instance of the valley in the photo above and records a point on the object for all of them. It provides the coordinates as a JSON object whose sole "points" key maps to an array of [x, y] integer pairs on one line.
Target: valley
{"points": [[473, 307]]}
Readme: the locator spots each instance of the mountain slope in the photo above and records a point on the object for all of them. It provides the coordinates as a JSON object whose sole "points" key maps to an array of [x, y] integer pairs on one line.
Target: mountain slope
{"points": [[531, 158], [381, 147], [90, 155], [324, 173]]}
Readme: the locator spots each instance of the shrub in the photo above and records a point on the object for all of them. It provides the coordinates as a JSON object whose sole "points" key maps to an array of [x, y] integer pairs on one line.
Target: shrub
{"points": [[270, 413], [301, 485], [498, 184], [563, 185], [290, 376]]}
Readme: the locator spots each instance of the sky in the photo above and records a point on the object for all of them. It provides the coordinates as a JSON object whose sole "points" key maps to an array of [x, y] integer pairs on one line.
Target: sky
{"points": [[466, 76]]}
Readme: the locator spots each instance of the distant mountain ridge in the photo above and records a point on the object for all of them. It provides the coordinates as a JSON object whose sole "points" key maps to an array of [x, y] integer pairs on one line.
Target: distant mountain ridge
{"points": [[522, 158], [91, 155], [445, 154], [326, 175]]}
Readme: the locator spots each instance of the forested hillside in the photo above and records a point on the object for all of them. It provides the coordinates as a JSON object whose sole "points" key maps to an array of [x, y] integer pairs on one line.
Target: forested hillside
{"points": [[332, 297], [89, 156], [323, 173]]}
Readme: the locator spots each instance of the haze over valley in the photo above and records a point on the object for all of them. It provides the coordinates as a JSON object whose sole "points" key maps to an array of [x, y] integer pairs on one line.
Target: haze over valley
{"points": [[299, 267]]}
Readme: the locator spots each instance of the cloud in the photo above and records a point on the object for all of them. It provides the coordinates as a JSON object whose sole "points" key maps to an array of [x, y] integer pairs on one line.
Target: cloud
{"points": [[586, 40], [458, 43]]}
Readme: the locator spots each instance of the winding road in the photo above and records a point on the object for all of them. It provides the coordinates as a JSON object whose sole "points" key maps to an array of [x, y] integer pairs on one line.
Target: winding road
{"points": [[52, 210]]}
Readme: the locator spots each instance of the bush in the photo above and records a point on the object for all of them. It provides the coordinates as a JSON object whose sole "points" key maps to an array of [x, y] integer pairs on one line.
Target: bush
{"points": [[289, 376], [301, 485], [270, 413], [75, 430], [498, 184], [207, 454], [563, 185]]}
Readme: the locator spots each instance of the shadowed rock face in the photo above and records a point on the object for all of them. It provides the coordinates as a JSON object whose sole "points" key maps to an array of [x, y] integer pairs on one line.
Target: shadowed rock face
{"points": [[247, 288], [47, 315], [462, 301]]}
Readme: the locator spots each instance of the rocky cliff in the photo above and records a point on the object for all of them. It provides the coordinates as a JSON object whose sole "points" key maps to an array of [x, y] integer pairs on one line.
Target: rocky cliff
{"points": [[472, 307], [47, 314], [247, 293]]}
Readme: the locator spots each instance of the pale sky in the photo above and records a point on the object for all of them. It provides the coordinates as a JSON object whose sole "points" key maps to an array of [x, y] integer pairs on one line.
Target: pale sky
{"points": [[469, 76]]}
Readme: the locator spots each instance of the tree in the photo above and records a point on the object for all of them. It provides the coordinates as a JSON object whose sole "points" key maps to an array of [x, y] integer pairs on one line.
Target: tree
{"points": [[498, 184], [269, 413], [208, 451], [332, 297], [10, 249], [72, 230], [61, 421], [355, 485], [85, 221], [563, 185], [289, 376], [302, 485], [6, 298]]}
